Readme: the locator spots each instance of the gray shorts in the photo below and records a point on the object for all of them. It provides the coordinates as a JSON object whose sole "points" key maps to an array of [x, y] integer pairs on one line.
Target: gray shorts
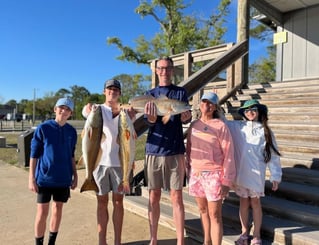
{"points": [[167, 172], [107, 179]]}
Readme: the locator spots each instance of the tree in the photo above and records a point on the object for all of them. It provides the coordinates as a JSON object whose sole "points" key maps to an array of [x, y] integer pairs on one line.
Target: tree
{"points": [[79, 94], [179, 32], [12, 103], [264, 69], [131, 86], [63, 93]]}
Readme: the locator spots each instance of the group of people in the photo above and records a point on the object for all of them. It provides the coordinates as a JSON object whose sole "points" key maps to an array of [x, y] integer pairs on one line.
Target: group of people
{"points": [[219, 155]]}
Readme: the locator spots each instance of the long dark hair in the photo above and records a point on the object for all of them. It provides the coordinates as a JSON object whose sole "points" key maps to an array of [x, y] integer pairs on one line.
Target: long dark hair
{"points": [[263, 119]]}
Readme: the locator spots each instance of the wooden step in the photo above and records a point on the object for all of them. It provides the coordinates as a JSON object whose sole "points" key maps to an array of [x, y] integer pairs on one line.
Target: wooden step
{"points": [[285, 209], [299, 161], [286, 84], [193, 230], [297, 192], [275, 229], [294, 127], [302, 137], [301, 175], [258, 93], [312, 102], [231, 110], [270, 95], [284, 117], [294, 117], [309, 149]]}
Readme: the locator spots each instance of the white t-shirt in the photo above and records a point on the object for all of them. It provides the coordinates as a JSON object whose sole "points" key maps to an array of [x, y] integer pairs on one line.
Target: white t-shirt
{"points": [[109, 145]]}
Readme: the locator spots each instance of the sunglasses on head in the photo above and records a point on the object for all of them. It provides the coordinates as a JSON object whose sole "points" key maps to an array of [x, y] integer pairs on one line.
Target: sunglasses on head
{"points": [[251, 109]]}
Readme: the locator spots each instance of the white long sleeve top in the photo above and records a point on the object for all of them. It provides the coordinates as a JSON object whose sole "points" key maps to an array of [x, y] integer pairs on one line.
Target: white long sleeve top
{"points": [[249, 143]]}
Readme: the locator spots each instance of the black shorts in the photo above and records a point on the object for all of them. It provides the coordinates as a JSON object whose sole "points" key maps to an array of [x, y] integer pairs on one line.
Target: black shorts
{"points": [[59, 194]]}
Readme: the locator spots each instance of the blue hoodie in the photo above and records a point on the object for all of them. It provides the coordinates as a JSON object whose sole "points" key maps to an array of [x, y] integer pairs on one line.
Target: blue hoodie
{"points": [[54, 147]]}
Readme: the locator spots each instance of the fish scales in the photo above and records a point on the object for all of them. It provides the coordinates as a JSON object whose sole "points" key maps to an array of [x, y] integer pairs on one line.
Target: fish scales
{"points": [[127, 140], [91, 146], [165, 107]]}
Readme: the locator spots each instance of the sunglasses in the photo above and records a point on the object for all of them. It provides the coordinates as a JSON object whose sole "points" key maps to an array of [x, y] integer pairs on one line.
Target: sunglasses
{"points": [[251, 109], [162, 68]]}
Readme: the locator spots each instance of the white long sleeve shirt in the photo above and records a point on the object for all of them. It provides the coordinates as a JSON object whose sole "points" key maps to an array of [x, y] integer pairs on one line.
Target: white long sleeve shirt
{"points": [[249, 143]]}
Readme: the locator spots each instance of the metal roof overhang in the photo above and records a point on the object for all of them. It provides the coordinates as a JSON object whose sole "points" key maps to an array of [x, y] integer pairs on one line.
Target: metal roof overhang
{"points": [[274, 9]]}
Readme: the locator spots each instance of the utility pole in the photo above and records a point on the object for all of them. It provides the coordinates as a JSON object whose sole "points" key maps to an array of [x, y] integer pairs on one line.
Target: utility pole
{"points": [[33, 118]]}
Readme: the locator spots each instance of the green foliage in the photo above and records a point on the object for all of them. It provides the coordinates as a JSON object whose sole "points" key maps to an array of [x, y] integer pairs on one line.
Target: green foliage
{"points": [[178, 32], [264, 70], [131, 86]]}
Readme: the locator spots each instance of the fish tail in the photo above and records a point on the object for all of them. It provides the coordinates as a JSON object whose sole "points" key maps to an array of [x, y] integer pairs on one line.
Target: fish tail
{"points": [[89, 185]]}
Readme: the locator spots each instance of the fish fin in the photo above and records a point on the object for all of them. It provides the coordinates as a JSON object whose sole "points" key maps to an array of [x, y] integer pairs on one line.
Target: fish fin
{"points": [[125, 106], [89, 185], [82, 133], [90, 133], [166, 118], [127, 134], [146, 97], [103, 137], [98, 157], [162, 97], [81, 162]]}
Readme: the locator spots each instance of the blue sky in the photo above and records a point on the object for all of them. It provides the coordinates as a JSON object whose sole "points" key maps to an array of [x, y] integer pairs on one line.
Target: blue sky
{"points": [[46, 45]]}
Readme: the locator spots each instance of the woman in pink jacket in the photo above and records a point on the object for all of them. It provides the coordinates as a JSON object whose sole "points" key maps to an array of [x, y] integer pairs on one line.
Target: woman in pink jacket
{"points": [[210, 167]]}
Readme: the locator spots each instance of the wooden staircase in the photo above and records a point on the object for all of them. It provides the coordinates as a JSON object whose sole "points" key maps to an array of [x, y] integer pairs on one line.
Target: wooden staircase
{"points": [[293, 116], [291, 214]]}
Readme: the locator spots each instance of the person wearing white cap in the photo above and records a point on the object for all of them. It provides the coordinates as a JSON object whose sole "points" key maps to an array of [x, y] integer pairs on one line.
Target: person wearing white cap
{"points": [[210, 166], [52, 168]]}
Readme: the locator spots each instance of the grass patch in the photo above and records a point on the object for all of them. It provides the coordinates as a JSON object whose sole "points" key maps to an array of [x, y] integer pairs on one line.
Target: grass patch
{"points": [[9, 153]]}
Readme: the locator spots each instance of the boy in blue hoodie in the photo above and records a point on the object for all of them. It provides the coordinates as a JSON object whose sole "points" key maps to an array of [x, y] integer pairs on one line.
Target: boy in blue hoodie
{"points": [[52, 168]]}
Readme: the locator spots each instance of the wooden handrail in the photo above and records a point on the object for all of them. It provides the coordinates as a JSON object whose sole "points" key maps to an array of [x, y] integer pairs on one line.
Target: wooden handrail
{"points": [[207, 73]]}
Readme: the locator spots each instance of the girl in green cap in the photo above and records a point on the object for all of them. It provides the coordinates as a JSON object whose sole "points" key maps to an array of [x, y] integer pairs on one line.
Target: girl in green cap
{"points": [[255, 149]]}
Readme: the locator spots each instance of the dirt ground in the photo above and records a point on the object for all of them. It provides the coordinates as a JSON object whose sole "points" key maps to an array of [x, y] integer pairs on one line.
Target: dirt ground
{"points": [[78, 227]]}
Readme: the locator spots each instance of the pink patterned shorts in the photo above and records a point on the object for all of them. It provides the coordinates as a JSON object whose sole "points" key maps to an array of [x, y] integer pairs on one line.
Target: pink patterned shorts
{"points": [[205, 184]]}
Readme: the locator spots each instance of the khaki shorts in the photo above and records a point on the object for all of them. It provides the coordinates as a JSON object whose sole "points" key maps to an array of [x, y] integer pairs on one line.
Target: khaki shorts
{"points": [[167, 172]]}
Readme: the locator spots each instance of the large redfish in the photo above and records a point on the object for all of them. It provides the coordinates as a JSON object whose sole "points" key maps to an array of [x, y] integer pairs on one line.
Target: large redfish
{"points": [[91, 146], [126, 140], [165, 107]]}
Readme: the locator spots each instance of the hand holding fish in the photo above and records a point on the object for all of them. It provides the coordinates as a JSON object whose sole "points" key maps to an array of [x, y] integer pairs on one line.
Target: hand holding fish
{"points": [[131, 113], [150, 111], [87, 109], [160, 106]]}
